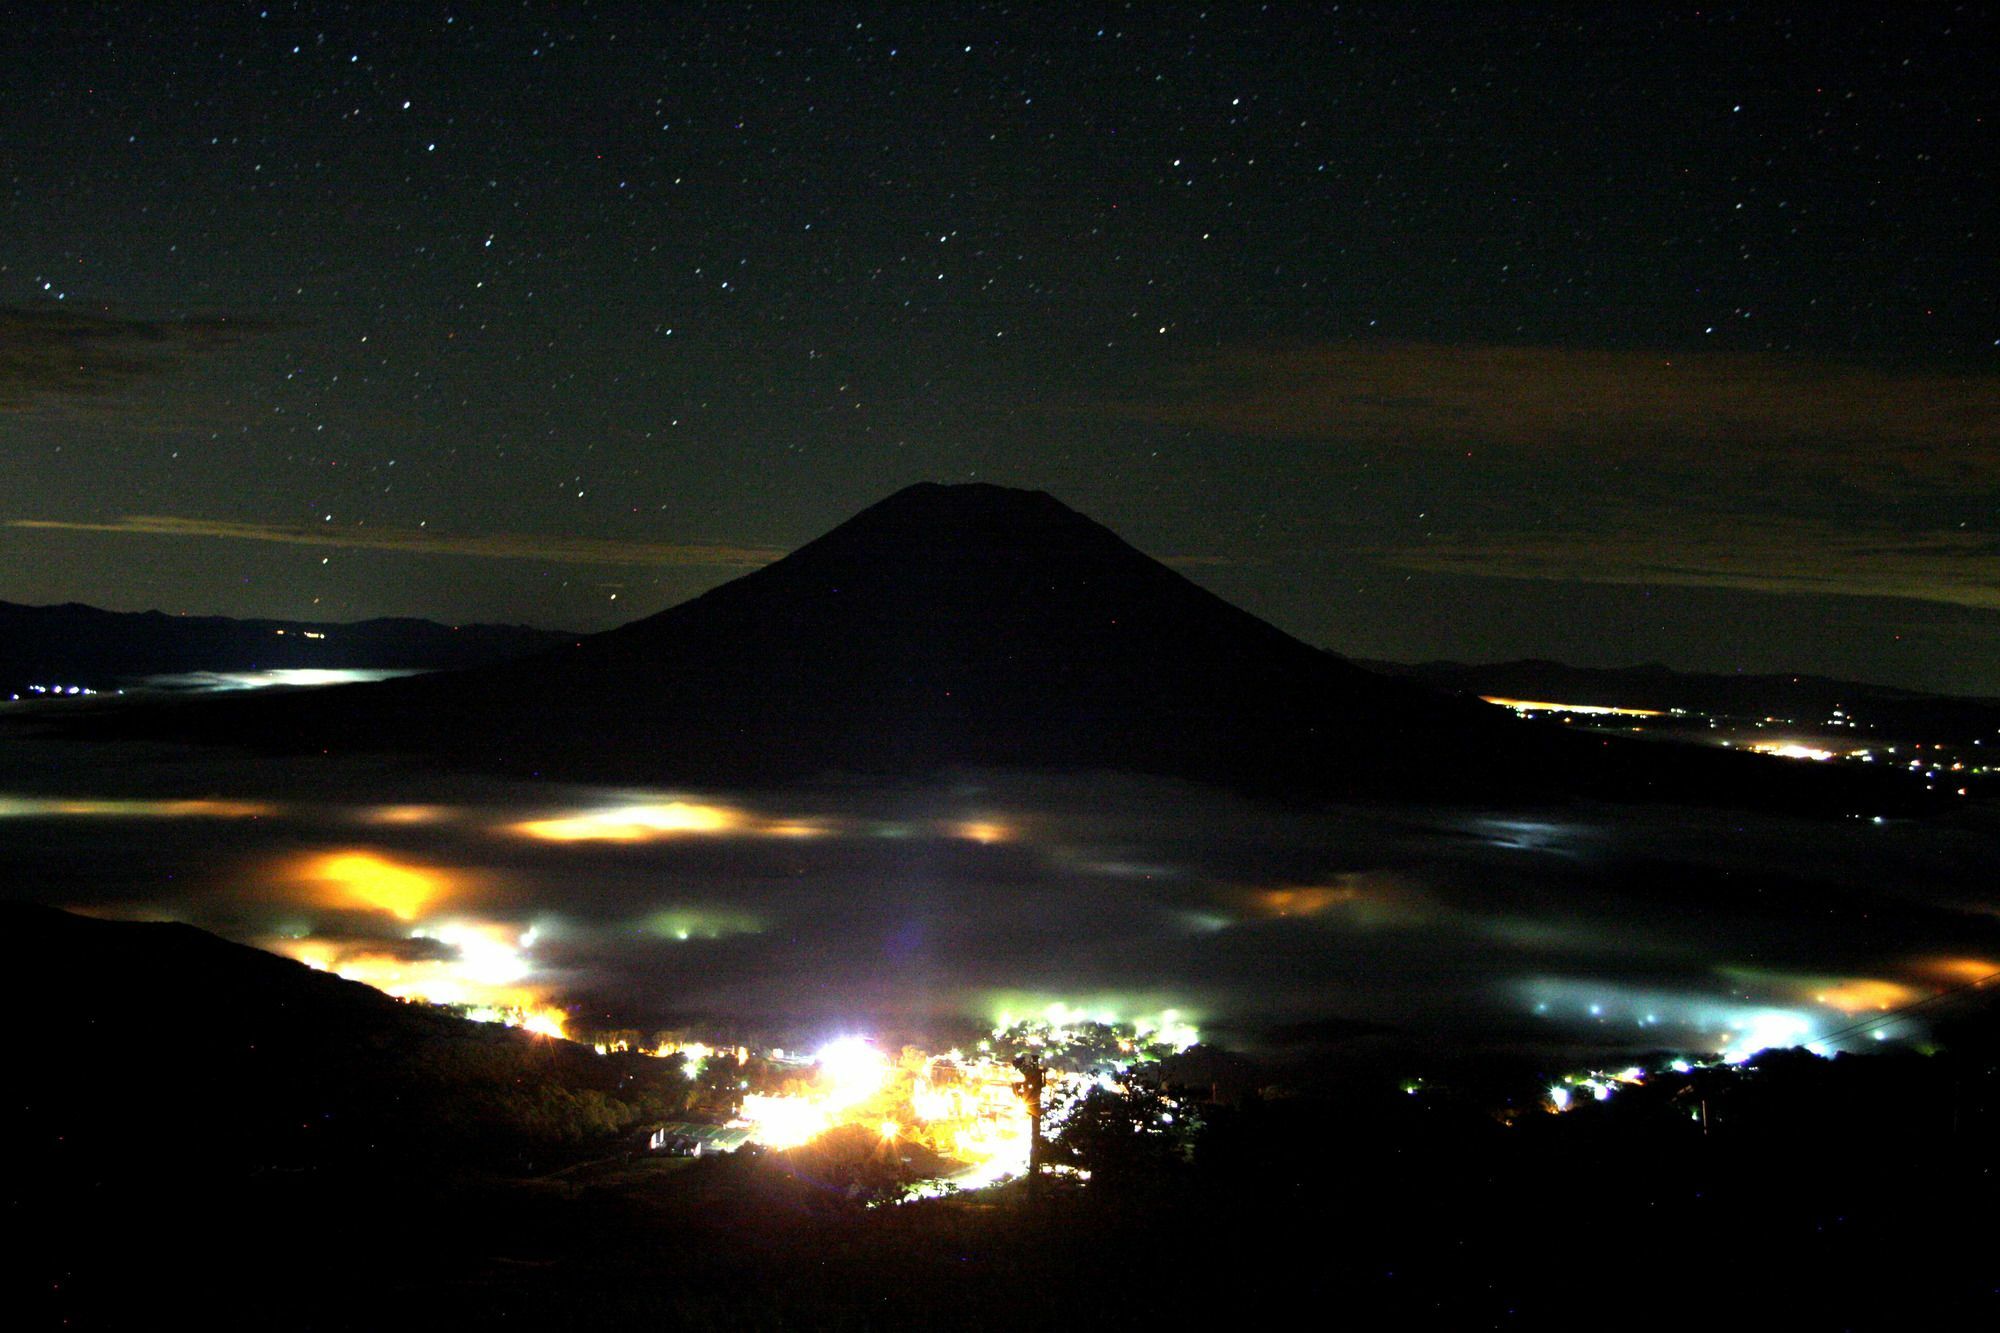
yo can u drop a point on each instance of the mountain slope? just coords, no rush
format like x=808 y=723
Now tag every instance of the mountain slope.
x=269 y=1062
x=194 y=1124
x=950 y=626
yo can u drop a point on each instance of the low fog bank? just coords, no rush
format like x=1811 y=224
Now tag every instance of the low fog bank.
x=830 y=909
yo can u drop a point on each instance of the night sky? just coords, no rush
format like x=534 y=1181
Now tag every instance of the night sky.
x=1604 y=333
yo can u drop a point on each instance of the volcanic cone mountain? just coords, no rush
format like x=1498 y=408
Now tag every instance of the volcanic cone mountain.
x=976 y=625
x=946 y=626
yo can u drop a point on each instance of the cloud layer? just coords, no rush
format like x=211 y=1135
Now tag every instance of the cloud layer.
x=417 y=541
x=1724 y=470
x=497 y=546
x=1773 y=555
x=1699 y=411
x=56 y=355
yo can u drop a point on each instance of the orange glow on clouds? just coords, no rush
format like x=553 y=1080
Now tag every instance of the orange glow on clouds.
x=791 y=828
x=1961 y=971
x=367 y=880
x=1299 y=902
x=1866 y=993
x=487 y=977
x=407 y=814
x=654 y=821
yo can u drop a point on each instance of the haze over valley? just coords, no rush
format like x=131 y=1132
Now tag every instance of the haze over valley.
x=899 y=881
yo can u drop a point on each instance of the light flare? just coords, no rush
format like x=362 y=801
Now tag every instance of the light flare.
x=780 y=1122
x=1792 y=750
x=851 y=1071
x=646 y=822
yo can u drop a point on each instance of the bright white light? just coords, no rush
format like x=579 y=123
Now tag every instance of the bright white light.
x=486 y=954
x=213 y=681
x=1792 y=750
x=784 y=1122
x=853 y=1069
x=639 y=822
x=1547 y=706
x=1766 y=1029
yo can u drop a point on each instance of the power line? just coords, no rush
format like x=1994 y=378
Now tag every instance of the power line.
x=1876 y=1020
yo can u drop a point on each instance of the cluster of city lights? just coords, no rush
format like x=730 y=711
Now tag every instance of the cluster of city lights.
x=1740 y=733
x=646 y=818
x=1732 y=1029
x=414 y=931
x=53 y=691
x=1597 y=1085
x=480 y=974
x=480 y=968
x=1795 y=750
x=966 y=1107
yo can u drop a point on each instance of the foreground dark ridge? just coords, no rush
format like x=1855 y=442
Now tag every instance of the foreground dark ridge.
x=189 y=1115
x=287 y=1150
x=974 y=626
x=241 y=1056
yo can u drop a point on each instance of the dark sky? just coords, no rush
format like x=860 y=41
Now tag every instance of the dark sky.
x=1607 y=333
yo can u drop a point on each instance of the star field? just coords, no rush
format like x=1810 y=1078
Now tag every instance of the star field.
x=1425 y=331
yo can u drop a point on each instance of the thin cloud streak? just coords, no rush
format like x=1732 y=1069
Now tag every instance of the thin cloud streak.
x=1790 y=555
x=414 y=541
x=498 y=546
x=57 y=356
x=1210 y=561
x=1680 y=411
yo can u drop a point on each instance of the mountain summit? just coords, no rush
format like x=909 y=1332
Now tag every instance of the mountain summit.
x=978 y=625
x=952 y=627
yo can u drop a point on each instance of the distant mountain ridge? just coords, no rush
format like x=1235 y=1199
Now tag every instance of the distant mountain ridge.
x=952 y=627
x=76 y=644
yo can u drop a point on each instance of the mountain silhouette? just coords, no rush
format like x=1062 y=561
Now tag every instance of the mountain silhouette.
x=945 y=627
